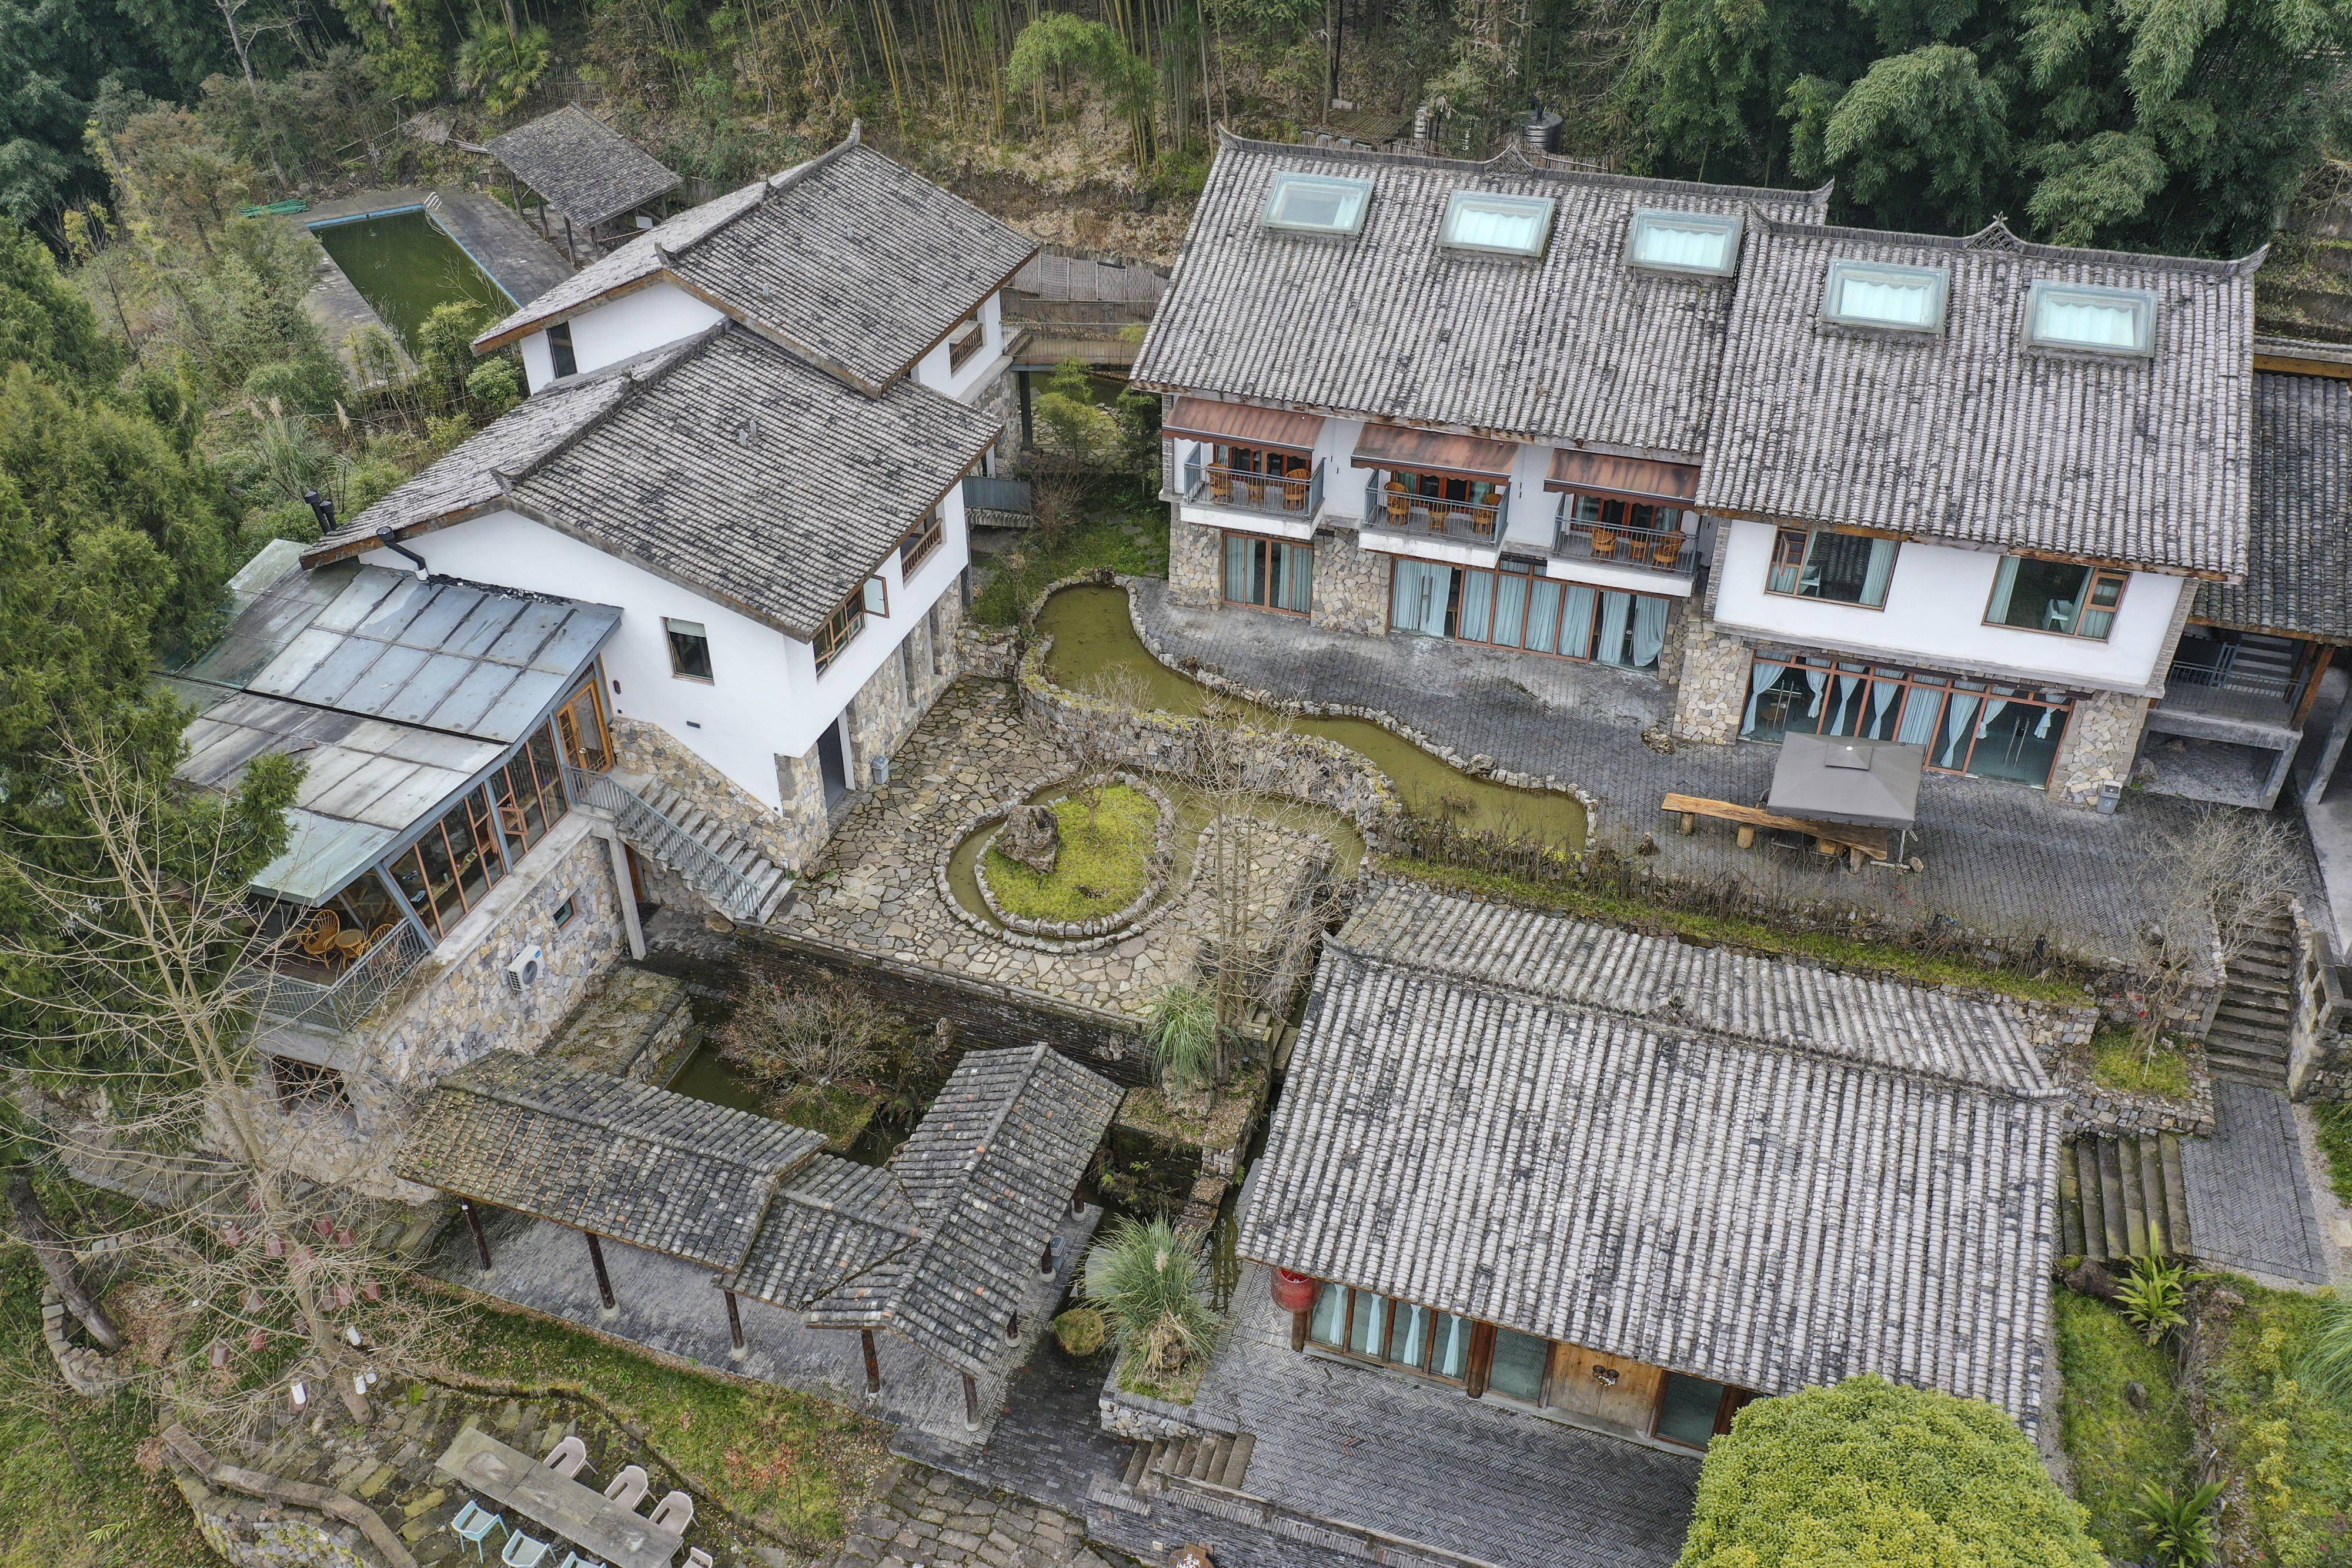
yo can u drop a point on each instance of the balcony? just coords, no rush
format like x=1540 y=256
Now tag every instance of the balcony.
x=1403 y=514
x=1669 y=552
x=1291 y=501
x=2225 y=689
x=336 y=1005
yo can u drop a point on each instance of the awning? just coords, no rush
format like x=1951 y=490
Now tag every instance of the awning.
x=1239 y=424
x=1837 y=778
x=1434 y=452
x=1600 y=471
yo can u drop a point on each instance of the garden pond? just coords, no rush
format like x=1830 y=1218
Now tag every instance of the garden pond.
x=406 y=266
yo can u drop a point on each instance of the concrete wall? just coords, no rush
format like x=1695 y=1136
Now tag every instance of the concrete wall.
x=644 y=318
x=964 y=385
x=1935 y=616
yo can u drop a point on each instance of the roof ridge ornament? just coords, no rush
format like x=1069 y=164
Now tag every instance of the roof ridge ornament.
x=1995 y=236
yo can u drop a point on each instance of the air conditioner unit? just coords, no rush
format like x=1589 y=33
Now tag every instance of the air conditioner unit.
x=527 y=966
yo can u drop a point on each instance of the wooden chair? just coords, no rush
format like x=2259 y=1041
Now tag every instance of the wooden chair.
x=1605 y=543
x=1294 y=488
x=1220 y=486
x=317 y=939
x=1666 y=552
x=1400 y=503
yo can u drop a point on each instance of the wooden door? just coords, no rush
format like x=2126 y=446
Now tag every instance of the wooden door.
x=1607 y=1390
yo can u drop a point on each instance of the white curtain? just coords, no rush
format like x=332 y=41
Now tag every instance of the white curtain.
x=1238 y=570
x=1816 y=681
x=1576 y=622
x=1543 y=618
x=1845 y=694
x=1648 y=631
x=2004 y=585
x=1991 y=711
x=1875 y=575
x=1477 y=606
x=1881 y=693
x=1421 y=590
x=1510 y=608
x=1962 y=708
x=1919 y=710
x=1760 y=676
x=1616 y=609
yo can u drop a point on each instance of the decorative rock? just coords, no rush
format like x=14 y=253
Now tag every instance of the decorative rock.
x=1031 y=835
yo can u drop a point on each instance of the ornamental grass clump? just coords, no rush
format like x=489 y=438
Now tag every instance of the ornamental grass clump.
x=2154 y=1297
x=1182 y=1035
x=1144 y=1277
x=2324 y=1368
x=2178 y=1526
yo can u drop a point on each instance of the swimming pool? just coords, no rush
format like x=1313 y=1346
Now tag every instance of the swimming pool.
x=407 y=267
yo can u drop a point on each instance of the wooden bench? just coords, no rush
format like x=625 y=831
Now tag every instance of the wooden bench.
x=1858 y=844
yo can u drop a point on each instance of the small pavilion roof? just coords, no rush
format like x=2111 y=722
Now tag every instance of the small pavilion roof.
x=986 y=1180
x=586 y=170
x=600 y=1153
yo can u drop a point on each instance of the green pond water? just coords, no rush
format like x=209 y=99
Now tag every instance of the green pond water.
x=405 y=268
x=1093 y=637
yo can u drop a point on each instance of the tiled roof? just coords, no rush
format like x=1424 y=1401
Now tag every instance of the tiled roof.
x=1920 y=1030
x=1969 y=434
x=855 y=263
x=831 y=1221
x=1761 y=1215
x=1574 y=346
x=724 y=464
x=600 y=1153
x=2299 y=547
x=989 y=1173
x=586 y=170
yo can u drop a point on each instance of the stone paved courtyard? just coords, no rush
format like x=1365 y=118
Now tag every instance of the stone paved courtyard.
x=933 y=1520
x=2000 y=859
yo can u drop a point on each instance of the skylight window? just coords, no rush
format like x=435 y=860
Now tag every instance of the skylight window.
x=1318 y=204
x=1506 y=225
x=2100 y=321
x=1702 y=243
x=1868 y=294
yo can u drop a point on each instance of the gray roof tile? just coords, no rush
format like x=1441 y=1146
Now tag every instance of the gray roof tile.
x=1575 y=346
x=586 y=170
x=2299 y=545
x=1970 y=434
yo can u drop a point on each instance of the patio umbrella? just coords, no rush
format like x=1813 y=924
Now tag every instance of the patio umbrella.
x=1838 y=778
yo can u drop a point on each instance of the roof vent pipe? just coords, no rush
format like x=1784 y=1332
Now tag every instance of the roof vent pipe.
x=324 y=509
x=391 y=542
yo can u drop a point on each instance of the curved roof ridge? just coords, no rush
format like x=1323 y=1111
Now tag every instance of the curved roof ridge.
x=1511 y=158
x=1993 y=235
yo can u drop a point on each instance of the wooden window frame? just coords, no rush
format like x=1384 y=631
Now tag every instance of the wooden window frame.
x=1591 y=632
x=917 y=545
x=563 y=358
x=1783 y=532
x=1911 y=680
x=2093 y=576
x=568 y=746
x=965 y=339
x=1733 y=1399
x=848 y=618
x=1264 y=542
x=1346 y=1347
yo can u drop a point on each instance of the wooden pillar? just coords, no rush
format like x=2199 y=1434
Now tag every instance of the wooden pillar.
x=474 y=1223
x=2320 y=661
x=1045 y=1261
x=1482 y=1358
x=1299 y=1325
x=604 y=1281
x=873 y=1360
x=971 y=1403
x=734 y=1323
x=569 y=249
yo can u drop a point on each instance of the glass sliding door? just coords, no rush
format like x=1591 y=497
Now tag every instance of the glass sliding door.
x=1271 y=574
x=1396 y=1334
x=1513 y=606
x=1964 y=727
x=1421 y=598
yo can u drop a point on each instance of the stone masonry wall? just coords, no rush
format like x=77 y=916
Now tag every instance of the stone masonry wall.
x=1001 y=399
x=1193 y=565
x=2102 y=739
x=252 y=1534
x=1711 y=699
x=1351 y=585
x=640 y=746
x=458 y=1006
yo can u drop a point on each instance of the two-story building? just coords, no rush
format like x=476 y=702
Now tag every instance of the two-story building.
x=1954 y=492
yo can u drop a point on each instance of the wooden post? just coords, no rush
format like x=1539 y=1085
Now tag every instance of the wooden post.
x=873 y=1360
x=734 y=1323
x=1046 y=1262
x=604 y=1281
x=1482 y=1358
x=971 y=1403
x=2325 y=656
x=1298 y=1328
x=474 y=1222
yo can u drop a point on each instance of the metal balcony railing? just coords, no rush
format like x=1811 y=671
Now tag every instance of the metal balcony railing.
x=982 y=493
x=1238 y=489
x=641 y=825
x=1667 y=550
x=339 y=1004
x=1434 y=516
x=2223 y=689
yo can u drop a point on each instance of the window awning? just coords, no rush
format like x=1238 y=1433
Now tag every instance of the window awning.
x=1239 y=424
x=1599 y=471
x=1434 y=452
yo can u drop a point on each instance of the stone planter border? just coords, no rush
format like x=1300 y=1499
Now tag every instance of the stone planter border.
x=88 y=1372
x=1155 y=875
x=1137 y=1417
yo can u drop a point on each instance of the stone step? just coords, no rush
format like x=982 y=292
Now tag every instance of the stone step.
x=2123 y=1197
x=2251 y=1018
x=2269 y=1045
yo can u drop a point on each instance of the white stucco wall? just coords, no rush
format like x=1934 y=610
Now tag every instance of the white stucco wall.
x=650 y=317
x=932 y=371
x=765 y=699
x=1935 y=616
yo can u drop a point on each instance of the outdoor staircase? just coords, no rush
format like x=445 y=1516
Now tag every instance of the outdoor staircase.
x=2122 y=1197
x=657 y=819
x=2248 y=1041
x=1218 y=1460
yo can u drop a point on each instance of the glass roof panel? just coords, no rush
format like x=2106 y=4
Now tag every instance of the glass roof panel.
x=1318 y=204
x=1685 y=242
x=1869 y=294
x=2104 y=320
x=1511 y=225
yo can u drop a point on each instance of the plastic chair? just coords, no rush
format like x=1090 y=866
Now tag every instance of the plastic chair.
x=696 y=1557
x=573 y=1560
x=675 y=1511
x=474 y=1523
x=568 y=1458
x=629 y=1488
x=524 y=1551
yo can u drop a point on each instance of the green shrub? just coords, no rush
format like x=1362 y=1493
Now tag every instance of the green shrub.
x=2116 y=1443
x=495 y=384
x=1145 y=1279
x=2287 y=1449
x=309 y=384
x=1871 y=1472
x=2332 y=1119
x=444 y=340
x=2154 y=1297
x=2178 y=1526
x=2325 y=1366
x=1081 y=1332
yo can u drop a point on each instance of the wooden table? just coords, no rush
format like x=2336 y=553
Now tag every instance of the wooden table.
x=581 y=1515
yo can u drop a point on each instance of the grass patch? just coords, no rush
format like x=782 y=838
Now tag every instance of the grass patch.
x=840 y=1113
x=1104 y=866
x=2120 y=1062
x=1177 y=1390
x=1134 y=543
x=2290 y=1449
x=72 y=1494
x=798 y=1466
x=2331 y=1120
x=2114 y=1447
x=1742 y=932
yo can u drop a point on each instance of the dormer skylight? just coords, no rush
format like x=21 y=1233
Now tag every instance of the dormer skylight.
x=2086 y=317
x=1703 y=244
x=1318 y=204
x=1501 y=225
x=1877 y=294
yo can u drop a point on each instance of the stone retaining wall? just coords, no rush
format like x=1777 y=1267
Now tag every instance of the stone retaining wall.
x=88 y=1372
x=252 y=1534
x=643 y=747
x=2102 y=739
